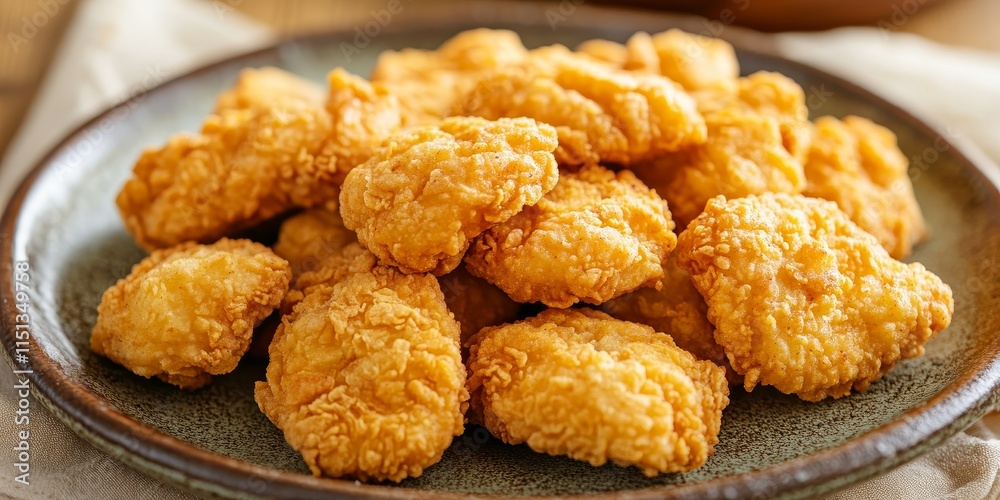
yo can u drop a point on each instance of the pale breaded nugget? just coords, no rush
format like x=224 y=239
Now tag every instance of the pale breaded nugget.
x=363 y=115
x=596 y=236
x=186 y=313
x=366 y=378
x=694 y=61
x=803 y=299
x=263 y=87
x=857 y=164
x=769 y=94
x=423 y=196
x=602 y=114
x=578 y=382
x=476 y=303
x=305 y=239
x=244 y=167
x=430 y=82
x=676 y=309
x=743 y=155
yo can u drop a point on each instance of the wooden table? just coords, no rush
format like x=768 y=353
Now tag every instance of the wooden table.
x=33 y=30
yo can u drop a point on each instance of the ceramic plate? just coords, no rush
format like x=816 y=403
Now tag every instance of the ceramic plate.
x=63 y=224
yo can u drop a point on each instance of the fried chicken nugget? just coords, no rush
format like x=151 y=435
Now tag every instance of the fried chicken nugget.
x=857 y=164
x=366 y=378
x=602 y=114
x=769 y=94
x=596 y=236
x=803 y=299
x=305 y=239
x=694 y=61
x=244 y=167
x=580 y=383
x=476 y=303
x=262 y=87
x=363 y=115
x=423 y=196
x=429 y=83
x=676 y=309
x=186 y=313
x=743 y=155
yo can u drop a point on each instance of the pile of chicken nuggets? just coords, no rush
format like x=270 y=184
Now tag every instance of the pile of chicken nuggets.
x=480 y=234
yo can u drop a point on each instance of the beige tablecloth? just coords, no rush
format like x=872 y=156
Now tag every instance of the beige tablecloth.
x=118 y=47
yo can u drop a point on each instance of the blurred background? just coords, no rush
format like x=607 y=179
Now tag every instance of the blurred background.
x=34 y=29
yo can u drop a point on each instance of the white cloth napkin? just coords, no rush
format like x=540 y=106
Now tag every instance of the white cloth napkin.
x=116 y=48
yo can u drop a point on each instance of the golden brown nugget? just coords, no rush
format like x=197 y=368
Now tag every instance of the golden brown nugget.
x=476 y=303
x=676 y=309
x=329 y=271
x=580 y=383
x=423 y=196
x=365 y=377
x=695 y=62
x=856 y=164
x=743 y=155
x=769 y=94
x=186 y=313
x=263 y=87
x=244 y=167
x=430 y=82
x=305 y=239
x=602 y=114
x=803 y=299
x=596 y=236
x=363 y=115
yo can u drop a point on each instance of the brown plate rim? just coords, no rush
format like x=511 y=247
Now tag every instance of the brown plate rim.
x=164 y=457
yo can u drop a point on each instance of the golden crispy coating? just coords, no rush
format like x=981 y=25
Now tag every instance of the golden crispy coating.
x=305 y=239
x=676 y=309
x=423 y=196
x=363 y=115
x=804 y=300
x=428 y=83
x=602 y=114
x=857 y=164
x=769 y=94
x=262 y=87
x=186 y=313
x=246 y=166
x=476 y=303
x=366 y=378
x=329 y=271
x=744 y=155
x=596 y=236
x=694 y=61
x=578 y=382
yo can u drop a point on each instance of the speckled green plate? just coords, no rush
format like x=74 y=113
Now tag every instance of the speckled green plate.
x=215 y=441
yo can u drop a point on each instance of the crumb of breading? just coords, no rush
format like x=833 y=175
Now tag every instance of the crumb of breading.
x=857 y=164
x=186 y=313
x=596 y=236
x=423 y=196
x=366 y=378
x=803 y=299
x=580 y=383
